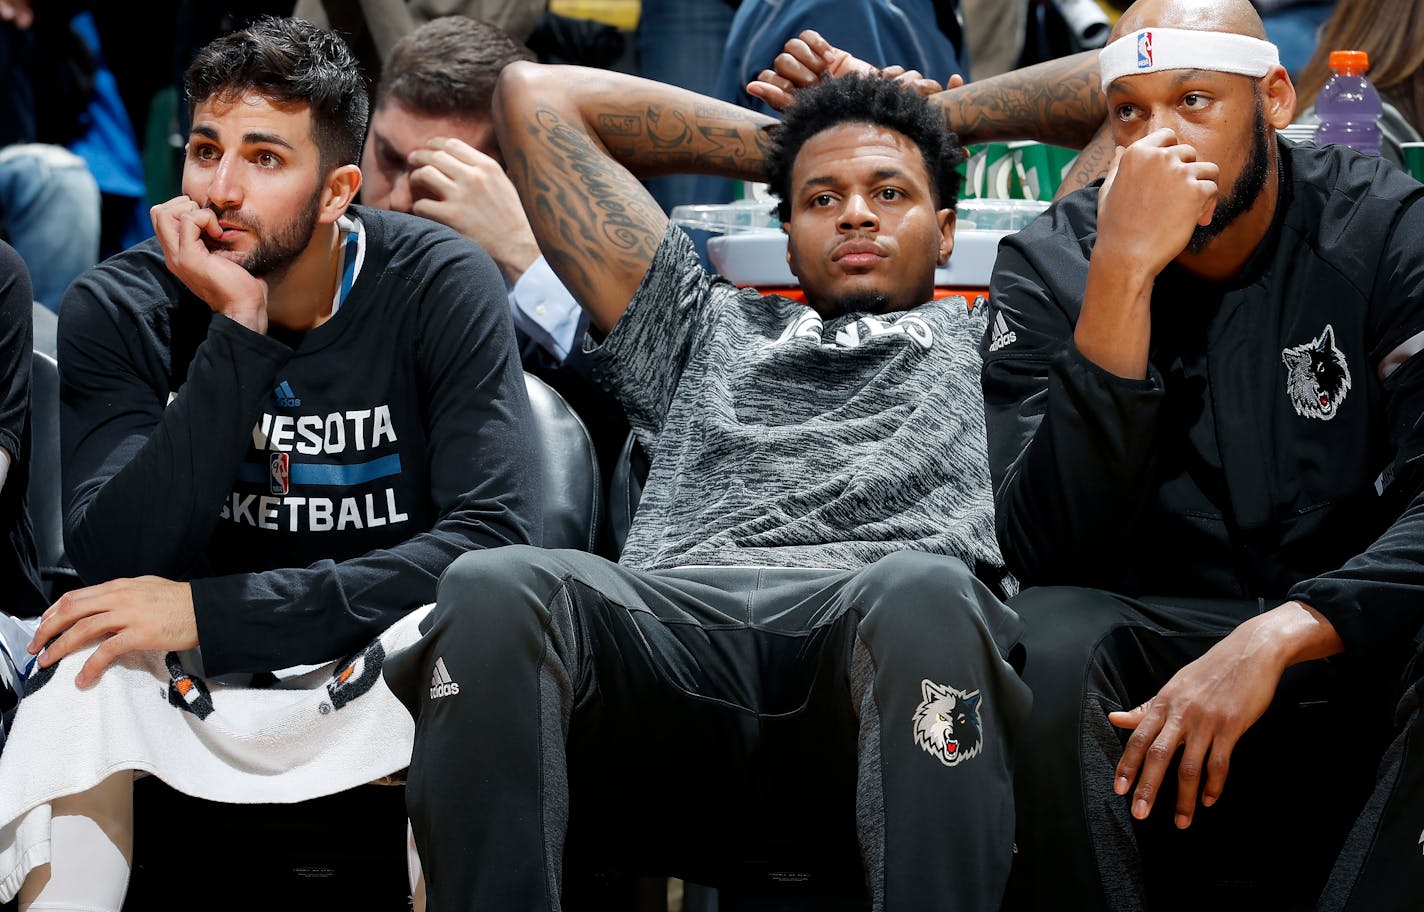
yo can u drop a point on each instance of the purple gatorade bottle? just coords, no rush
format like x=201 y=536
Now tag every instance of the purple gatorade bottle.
x=1349 y=107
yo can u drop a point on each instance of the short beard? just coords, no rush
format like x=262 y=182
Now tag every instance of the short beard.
x=277 y=249
x=1245 y=192
x=871 y=302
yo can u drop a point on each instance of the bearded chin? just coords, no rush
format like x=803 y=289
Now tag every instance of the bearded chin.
x=276 y=251
x=1244 y=192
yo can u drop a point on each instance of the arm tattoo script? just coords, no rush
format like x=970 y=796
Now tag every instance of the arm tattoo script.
x=588 y=213
x=1058 y=102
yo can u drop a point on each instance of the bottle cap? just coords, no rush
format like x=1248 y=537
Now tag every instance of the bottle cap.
x=1349 y=60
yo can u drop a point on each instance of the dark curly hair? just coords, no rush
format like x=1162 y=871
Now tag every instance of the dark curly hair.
x=864 y=99
x=289 y=61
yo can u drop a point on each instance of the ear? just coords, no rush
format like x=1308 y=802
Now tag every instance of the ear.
x=930 y=691
x=972 y=701
x=946 y=235
x=1278 y=97
x=337 y=193
x=790 y=250
x=1327 y=339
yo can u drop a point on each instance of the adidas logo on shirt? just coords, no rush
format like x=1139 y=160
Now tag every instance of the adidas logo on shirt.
x=440 y=683
x=285 y=397
x=1003 y=336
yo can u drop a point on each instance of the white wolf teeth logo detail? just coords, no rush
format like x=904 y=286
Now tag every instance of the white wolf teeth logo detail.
x=947 y=723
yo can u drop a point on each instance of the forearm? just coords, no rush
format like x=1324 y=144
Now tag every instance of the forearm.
x=145 y=484
x=647 y=127
x=1114 y=329
x=254 y=622
x=1058 y=102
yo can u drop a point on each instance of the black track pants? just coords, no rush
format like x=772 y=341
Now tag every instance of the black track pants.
x=723 y=723
x=1332 y=776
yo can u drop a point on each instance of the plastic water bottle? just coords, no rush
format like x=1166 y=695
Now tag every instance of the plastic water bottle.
x=1349 y=107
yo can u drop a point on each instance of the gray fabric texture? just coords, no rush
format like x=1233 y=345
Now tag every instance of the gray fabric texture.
x=779 y=440
x=870 y=776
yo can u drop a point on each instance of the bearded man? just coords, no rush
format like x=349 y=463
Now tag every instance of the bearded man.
x=282 y=418
x=1203 y=397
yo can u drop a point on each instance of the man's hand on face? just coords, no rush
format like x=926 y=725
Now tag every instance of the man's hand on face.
x=1155 y=195
x=225 y=286
x=808 y=58
x=460 y=186
x=126 y=614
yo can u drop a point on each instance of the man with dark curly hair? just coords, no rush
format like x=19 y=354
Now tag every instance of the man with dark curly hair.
x=801 y=671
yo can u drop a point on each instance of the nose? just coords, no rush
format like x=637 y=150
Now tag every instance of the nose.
x=1162 y=116
x=225 y=190
x=857 y=214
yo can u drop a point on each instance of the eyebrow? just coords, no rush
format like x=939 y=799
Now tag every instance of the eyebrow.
x=248 y=139
x=879 y=174
x=1179 y=78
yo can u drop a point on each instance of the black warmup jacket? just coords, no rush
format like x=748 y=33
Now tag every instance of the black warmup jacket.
x=21 y=592
x=1273 y=450
x=312 y=487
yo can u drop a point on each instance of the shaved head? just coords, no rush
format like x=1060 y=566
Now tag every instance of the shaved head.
x=1238 y=17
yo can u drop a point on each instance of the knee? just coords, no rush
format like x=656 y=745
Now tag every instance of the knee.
x=1063 y=629
x=926 y=593
x=497 y=589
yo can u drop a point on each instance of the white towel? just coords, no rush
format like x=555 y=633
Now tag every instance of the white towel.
x=329 y=729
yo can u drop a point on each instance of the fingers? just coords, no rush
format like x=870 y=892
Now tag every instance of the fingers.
x=955 y=82
x=798 y=65
x=456 y=149
x=1189 y=777
x=773 y=90
x=70 y=608
x=433 y=182
x=1155 y=757
x=813 y=40
x=1216 y=770
x=99 y=661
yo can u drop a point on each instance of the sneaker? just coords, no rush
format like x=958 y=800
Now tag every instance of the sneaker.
x=15 y=636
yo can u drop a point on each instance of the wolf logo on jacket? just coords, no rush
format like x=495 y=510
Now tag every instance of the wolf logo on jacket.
x=947 y=723
x=1317 y=377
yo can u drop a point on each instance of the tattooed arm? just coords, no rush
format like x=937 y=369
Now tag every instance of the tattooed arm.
x=1059 y=102
x=576 y=141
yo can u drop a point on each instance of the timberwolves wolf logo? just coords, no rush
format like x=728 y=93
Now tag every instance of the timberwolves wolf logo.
x=186 y=691
x=947 y=723
x=1317 y=377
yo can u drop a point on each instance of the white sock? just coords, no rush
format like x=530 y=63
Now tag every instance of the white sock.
x=91 y=852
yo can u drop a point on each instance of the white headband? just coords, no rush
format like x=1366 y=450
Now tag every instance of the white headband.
x=1150 y=50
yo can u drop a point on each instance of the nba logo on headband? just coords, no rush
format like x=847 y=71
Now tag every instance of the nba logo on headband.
x=1152 y=50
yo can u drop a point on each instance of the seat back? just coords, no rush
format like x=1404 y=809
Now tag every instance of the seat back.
x=625 y=491
x=45 y=491
x=573 y=491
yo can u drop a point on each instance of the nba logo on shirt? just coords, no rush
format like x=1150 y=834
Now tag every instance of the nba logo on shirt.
x=1144 y=50
x=281 y=473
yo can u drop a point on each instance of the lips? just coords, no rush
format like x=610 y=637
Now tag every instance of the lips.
x=855 y=255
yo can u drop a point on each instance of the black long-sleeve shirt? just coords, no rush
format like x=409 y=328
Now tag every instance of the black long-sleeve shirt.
x=20 y=591
x=1273 y=450
x=312 y=487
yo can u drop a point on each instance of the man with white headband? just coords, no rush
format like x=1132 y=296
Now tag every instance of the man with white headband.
x=1203 y=408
